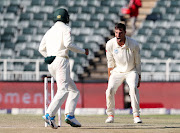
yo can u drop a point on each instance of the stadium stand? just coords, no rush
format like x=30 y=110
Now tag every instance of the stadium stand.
x=24 y=22
x=161 y=30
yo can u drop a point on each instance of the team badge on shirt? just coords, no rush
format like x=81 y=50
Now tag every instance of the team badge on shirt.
x=116 y=51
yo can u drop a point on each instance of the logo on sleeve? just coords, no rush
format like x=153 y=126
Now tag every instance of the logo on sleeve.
x=116 y=51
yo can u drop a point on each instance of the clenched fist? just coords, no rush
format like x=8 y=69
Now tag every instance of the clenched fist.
x=86 y=51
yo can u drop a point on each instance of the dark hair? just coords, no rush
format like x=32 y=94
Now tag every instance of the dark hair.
x=120 y=26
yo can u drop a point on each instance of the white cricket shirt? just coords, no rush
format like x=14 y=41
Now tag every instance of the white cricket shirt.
x=57 y=41
x=125 y=58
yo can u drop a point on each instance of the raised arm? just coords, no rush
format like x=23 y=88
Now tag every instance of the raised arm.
x=68 y=44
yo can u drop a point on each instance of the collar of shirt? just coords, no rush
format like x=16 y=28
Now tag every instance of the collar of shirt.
x=58 y=23
x=124 y=46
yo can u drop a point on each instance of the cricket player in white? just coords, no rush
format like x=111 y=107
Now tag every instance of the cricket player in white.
x=54 y=47
x=124 y=63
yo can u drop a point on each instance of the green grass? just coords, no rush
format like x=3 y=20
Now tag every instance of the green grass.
x=92 y=124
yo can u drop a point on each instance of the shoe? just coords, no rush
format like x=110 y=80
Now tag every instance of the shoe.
x=72 y=121
x=110 y=119
x=50 y=121
x=137 y=120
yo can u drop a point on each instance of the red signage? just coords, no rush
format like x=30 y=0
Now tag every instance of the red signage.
x=21 y=95
x=92 y=95
x=31 y=95
x=160 y=95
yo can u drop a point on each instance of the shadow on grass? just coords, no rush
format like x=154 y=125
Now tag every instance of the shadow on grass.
x=171 y=127
x=129 y=127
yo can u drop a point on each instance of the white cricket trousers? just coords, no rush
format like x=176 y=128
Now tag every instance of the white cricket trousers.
x=115 y=80
x=66 y=88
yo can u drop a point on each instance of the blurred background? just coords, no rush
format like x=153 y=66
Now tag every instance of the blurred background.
x=24 y=22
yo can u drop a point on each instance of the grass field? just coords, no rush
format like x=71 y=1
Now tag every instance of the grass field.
x=92 y=124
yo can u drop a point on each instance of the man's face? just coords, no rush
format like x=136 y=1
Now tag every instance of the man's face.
x=120 y=35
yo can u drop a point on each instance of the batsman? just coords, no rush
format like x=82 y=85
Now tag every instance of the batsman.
x=54 y=46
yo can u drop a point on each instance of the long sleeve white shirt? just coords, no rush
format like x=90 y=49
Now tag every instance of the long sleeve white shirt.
x=125 y=58
x=57 y=42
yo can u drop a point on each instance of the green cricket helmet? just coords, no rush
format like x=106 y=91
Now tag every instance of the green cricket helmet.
x=61 y=14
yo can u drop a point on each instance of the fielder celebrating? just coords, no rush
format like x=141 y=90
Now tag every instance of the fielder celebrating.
x=54 y=47
x=124 y=63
